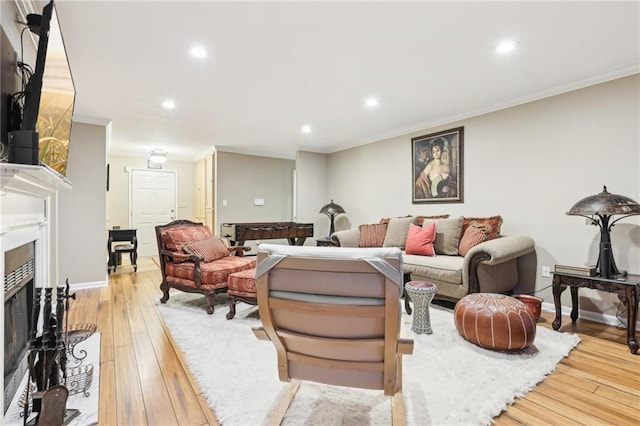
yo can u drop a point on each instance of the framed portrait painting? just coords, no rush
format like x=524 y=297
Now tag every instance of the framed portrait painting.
x=438 y=167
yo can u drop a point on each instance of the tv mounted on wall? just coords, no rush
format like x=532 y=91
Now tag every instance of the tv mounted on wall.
x=49 y=96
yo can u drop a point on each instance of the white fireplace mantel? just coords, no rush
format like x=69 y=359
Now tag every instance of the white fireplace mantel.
x=35 y=181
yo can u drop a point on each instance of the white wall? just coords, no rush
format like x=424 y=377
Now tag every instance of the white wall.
x=118 y=194
x=528 y=163
x=82 y=242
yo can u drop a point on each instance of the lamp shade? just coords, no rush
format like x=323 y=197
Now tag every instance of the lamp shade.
x=605 y=203
x=332 y=209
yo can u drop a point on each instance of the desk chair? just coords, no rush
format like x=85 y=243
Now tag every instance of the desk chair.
x=129 y=245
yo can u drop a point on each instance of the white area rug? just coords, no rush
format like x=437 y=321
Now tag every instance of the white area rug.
x=87 y=405
x=447 y=380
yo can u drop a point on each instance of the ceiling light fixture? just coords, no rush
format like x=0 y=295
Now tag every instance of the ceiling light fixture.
x=306 y=129
x=507 y=46
x=198 y=51
x=158 y=155
x=169 y=104
x=371 y=102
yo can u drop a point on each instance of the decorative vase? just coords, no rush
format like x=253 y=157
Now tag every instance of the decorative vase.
x=533 y=303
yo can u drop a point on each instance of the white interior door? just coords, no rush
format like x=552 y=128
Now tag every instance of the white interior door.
x=153 y=202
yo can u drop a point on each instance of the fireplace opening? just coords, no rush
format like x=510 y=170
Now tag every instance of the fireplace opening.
x=18 y=303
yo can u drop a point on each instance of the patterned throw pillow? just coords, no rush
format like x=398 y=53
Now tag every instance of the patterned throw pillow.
x=419 y=220
x=386 y=220
x=474 y=235
x=420 y=240
x=210 y=249
x=494 y=222
x=372 y=235
x=176 y=237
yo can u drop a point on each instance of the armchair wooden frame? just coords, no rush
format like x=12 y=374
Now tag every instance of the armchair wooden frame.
x=333 y=320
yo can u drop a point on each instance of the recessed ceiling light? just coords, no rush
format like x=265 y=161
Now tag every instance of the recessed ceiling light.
x=371 y=102
x=506 y=46
x=306 y=129
x=169 y=104
x=198 y=51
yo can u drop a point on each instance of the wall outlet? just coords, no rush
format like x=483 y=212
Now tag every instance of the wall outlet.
x=546 y=271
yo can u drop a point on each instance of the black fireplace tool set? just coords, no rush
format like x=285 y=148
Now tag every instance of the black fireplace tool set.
x=47 y=358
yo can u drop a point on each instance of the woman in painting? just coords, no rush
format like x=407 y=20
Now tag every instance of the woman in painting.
x=436 y=180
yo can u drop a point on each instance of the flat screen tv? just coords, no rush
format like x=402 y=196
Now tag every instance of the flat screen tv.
x=50 y=94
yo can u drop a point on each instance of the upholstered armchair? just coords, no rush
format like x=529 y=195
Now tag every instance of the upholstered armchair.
x=194 y=260
x=333 y=315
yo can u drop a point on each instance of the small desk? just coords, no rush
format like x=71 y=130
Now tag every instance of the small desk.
x=127 y=236
x=627 y=288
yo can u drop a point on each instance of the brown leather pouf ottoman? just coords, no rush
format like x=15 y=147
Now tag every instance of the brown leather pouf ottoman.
x=495 y=321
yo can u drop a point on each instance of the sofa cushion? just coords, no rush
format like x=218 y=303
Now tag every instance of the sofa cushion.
x=494 y=222
x=439 y=268
x=209 y=250
x=372 y=235
x=176 y=237
x=419 y=220
x=473 y=235
x=420 y=240
x=448 y=232
x=397 y=230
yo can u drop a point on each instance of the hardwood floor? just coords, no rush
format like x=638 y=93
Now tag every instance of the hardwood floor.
x=144 y=381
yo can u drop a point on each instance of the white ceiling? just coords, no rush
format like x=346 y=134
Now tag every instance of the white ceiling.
x=274 y=66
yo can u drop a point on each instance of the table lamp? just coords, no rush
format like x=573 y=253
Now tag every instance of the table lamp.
x=332 y=210
x=598 y=209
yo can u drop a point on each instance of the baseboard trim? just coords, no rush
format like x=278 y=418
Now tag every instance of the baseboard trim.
x=588 y=315
x=84 y=286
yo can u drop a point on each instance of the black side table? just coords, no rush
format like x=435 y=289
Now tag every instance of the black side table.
x=325 y=242
x=626 y=287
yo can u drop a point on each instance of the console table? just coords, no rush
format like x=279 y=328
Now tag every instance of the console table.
x=627 y=287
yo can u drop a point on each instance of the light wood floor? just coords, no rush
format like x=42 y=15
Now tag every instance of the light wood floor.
x=143 y=380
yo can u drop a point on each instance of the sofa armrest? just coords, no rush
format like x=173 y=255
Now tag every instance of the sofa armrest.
x=494 y=252
x=502 y=249
x=347 y=238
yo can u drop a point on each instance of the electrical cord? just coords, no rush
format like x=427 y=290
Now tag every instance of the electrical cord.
x=621 y=316
x=532 y=293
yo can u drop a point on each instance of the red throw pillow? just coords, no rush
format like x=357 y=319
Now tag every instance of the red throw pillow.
x=209 y=250
x=420 y=240
x=372 y=235
x=474 y=235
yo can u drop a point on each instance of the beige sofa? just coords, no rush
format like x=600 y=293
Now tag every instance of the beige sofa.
x=491 y=266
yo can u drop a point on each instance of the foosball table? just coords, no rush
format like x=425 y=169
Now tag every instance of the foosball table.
x=238 y=233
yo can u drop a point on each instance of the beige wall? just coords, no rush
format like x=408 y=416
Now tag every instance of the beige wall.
x=528 y=163
x=312 y=192
x=243 y=178
x=81 y=239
